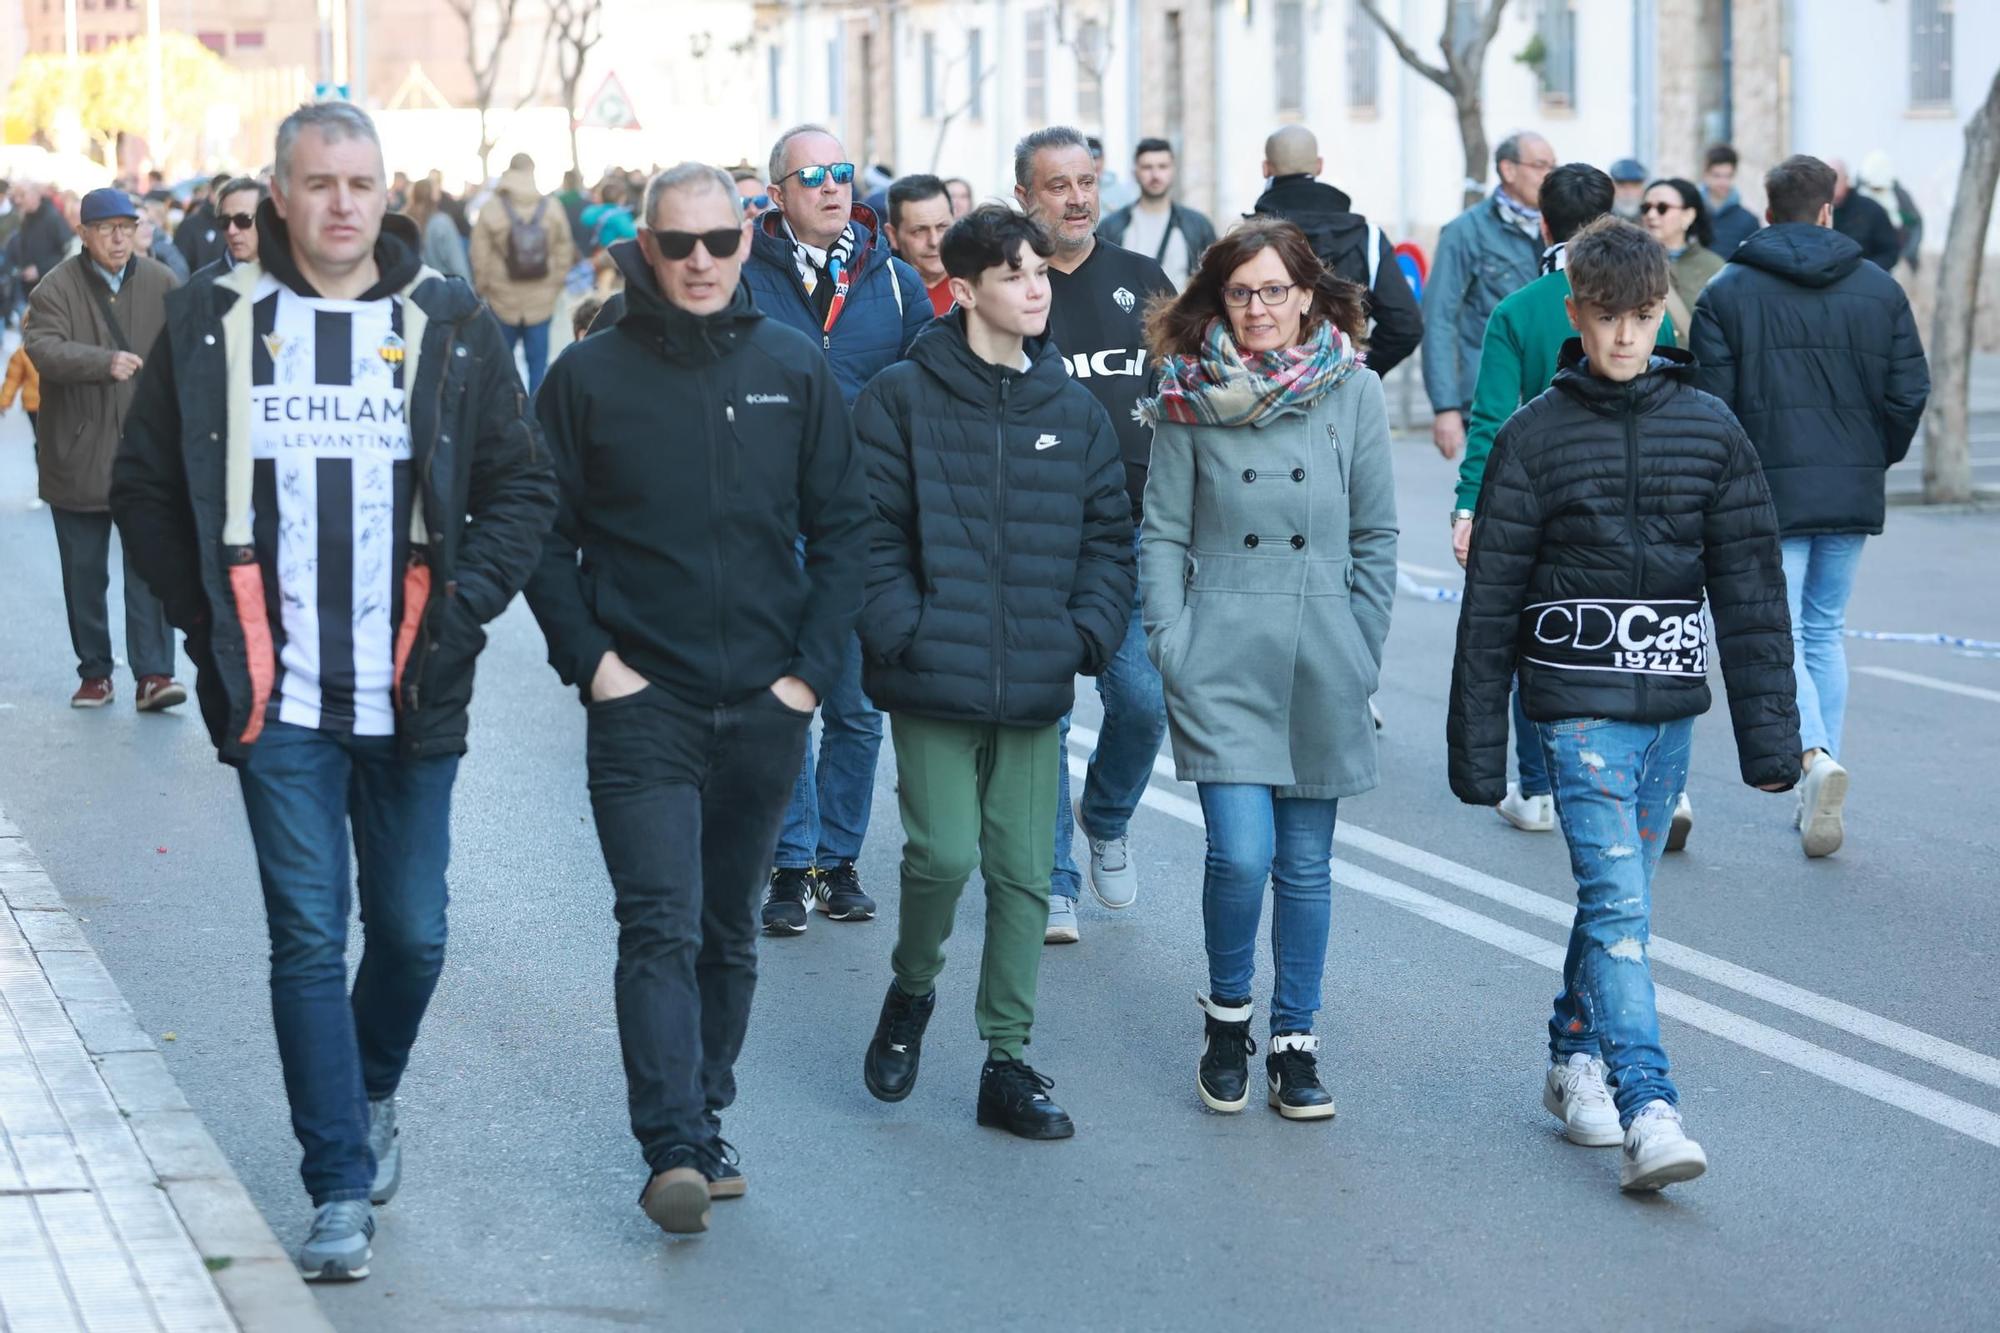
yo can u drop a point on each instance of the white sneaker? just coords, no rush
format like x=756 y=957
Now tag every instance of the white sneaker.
x=1576 y=1094
x=1062 y=921
x=1682 y=825
x=1530 y=814
x=1113 y=881
x=1657 y=1152
x=1822 y=795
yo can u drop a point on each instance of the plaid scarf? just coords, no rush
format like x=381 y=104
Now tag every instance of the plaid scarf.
x=839 y=256
x=1513 y=210
x=1223 y=387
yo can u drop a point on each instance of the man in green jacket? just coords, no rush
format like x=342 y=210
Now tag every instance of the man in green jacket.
x=1517 y=360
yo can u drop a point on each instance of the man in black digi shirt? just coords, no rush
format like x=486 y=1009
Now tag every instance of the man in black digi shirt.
x=1099 y=294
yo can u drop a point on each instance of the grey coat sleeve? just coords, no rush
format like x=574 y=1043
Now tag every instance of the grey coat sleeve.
x=1164 y=537
x=1444 y=295
x=1371 y=520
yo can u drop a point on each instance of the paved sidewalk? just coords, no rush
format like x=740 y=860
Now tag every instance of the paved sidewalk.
x=117 y=1211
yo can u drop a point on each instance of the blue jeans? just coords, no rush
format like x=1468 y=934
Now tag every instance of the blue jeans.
x=1528 y=750
x=1256 y=838
x=302 y=790
x=1135 y=722
x=1615 y=788
x=536 y=339
x=827 y=820
x=1819 y=578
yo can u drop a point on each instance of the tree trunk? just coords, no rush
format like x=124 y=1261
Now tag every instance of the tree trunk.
x=485 y=145
x=575 y=156
x=1947 y=425
x=1472 y=133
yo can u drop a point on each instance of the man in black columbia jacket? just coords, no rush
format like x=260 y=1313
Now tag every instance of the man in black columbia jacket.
x=1816 y=351
x=329 y=477
x=694 y=441
x=1345 y=242
x=1001 y=566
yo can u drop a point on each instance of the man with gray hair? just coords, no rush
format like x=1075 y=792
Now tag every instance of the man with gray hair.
x=819 y=262
x=1485 y=254
x=331 y=480
x=1098 y=294
x=695 y=441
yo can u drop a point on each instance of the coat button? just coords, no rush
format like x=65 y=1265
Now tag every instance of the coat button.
x=1251 y=541
x=458 y=351
x=1298 y=474
x=1249 y=474
x=208 y=338
x=1298 y=542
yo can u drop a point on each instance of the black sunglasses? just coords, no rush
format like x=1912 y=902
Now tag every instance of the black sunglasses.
x=239 y=221
x=1660 y=208
x=721 y=243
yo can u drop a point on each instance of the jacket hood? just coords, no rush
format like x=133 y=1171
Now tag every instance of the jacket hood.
x=1302 y=193
x=684 y=338
x=519 y=187
x=398 y=254
x=943 y=351
x=1801 y=253
x=1671 y=368
x=775 y=243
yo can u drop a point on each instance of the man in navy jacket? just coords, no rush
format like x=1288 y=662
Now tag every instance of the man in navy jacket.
x=819 y=263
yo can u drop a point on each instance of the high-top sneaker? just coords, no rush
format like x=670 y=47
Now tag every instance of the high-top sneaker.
x=837 y=893
x=785 y=904
x=1015 y=1098
x=890 y=1067
x=1226 y=1047
x=1293 y=1070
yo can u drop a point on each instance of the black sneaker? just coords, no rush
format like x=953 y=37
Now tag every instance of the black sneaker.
x=785 y=904
x=890 y=1067
x=724 y=1170
x=1015 y=1098
x=1293 y=1070
x=1226 y=1047
x=837 y=893
x=676 y=1196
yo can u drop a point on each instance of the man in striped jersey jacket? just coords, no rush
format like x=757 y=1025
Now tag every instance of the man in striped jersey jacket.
x=330 y=472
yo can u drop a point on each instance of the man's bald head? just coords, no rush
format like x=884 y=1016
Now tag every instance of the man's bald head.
x=1292 y=151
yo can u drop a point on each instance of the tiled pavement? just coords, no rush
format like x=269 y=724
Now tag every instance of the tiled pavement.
x=117 y=1211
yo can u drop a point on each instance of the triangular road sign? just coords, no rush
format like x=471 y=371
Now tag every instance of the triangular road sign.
x=609 y=108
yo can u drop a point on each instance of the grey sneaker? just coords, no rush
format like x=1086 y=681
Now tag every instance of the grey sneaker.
x=385 y=1141
x=1113 y=881
x=1062 y=921
x=336 y=1249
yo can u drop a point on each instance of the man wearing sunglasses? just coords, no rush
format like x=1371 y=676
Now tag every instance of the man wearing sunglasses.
x=821 y=264
x=694 y=441
x=237 y=212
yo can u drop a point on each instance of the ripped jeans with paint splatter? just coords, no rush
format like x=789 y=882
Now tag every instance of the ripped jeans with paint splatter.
x=1615 y=785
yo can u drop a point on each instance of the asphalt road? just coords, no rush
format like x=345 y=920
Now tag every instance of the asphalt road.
x=1832 y=1030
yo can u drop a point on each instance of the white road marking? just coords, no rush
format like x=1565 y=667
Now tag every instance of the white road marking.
x=1426 y=572
x=1884 y=1032
x=1931 y=683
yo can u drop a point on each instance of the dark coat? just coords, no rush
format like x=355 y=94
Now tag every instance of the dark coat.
x=1608 y=513
x=1339 y=237
x=692 y=451
x=1817 y=354
x=200 y=237
x=1734 y=224
x=487 y=494
x=42 y=241
x=1001 y=562
x=1869 y=224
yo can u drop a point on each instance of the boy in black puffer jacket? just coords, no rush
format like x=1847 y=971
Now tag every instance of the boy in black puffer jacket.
x=1614 y=504
x=1000 y=566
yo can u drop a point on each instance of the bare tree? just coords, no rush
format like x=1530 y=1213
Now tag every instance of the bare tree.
x=976 y=80
x=489 y=24
x=1469 y=29
x=575 y=26
x=1947 y=433
x=1087 y=35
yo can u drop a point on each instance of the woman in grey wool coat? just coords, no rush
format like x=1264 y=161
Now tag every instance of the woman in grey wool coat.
x=1267 y=567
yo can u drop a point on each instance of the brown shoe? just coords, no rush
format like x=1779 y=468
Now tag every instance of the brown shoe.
x=92 y=694
x=158 y=692
x=677 y=1200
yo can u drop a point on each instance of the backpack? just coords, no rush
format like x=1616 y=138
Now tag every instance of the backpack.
x=527 y=243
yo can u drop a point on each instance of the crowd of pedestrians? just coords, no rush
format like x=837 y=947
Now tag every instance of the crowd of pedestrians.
x=924 y=459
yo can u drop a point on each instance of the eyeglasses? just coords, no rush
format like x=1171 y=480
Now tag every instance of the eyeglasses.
x=1660 y=208
x=239 y=221
x=814 y=177
x=120 y=230
x=1236 y=298
x=720 y=243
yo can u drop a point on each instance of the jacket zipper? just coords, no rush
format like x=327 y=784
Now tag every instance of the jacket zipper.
x=428 y=621
x=1632 y=515
x=999 y=517
x=715 y=511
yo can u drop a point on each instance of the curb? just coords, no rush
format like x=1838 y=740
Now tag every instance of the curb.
x=255 y=1277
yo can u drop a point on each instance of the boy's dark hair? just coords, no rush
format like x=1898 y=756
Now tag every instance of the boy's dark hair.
x=584 y=313
x=1152 y=146
x=1718 y=155
x=989 y=236
x=913 y=190
x=1797 y=188
x=1616 y=267
x=1573 y=195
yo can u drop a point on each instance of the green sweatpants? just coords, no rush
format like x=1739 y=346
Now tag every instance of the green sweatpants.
x=976 y=795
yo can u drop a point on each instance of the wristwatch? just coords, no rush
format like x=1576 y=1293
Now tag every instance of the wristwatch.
x=1458 y=514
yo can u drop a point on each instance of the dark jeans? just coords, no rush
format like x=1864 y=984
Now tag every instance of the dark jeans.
x=536 y=340
x=827 y=819
x=302 y=789
x=688 y=798
x=83 y=543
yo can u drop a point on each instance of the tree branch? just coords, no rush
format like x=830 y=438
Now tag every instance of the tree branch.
x=1445 y=79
